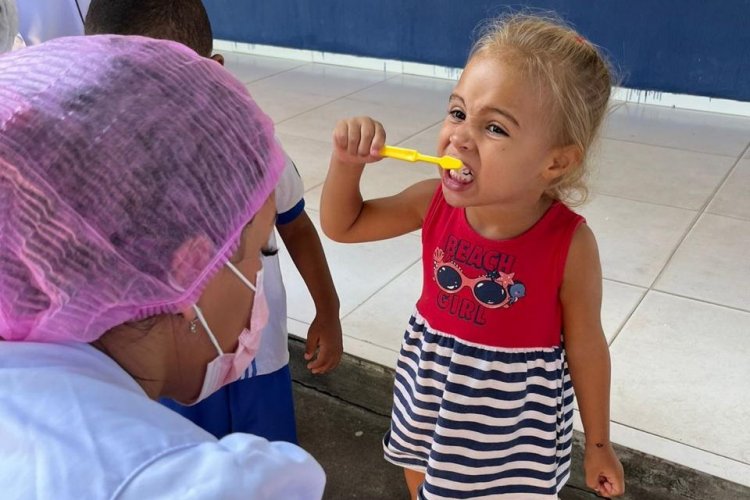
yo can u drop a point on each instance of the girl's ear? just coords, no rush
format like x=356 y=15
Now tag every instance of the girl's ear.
x=564 y=159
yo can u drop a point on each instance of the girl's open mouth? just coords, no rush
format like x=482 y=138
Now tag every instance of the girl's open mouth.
x=464 y=175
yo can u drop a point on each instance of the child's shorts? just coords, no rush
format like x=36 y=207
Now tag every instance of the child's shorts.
x=262 y=405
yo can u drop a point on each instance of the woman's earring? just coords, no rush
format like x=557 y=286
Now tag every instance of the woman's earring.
x=194 y=326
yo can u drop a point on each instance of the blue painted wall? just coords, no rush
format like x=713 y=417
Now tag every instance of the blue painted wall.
x=698 y=47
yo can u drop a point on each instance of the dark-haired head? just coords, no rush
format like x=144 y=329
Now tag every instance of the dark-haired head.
x=183 y=21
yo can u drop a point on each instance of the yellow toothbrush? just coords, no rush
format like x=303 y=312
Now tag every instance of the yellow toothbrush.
x=447 y=162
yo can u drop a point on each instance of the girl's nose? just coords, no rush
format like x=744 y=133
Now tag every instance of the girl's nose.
x=461 y=138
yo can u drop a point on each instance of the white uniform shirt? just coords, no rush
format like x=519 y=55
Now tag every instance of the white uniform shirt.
x=73 y=424
x=273 y=353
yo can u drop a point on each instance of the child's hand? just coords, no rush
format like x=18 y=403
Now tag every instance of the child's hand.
x=358 y=140
x=604 y=472
x=324 y=344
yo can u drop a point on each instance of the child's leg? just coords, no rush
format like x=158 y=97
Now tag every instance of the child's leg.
x=414 y=479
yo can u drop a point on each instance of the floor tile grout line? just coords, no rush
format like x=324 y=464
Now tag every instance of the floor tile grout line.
x=342 y=318
x=701 y=301
x=626 y=105
x=733 y=217
x=725 y=180
x=301 y=63
x=417 y=133
x=620 y=282
x=409 y=266
x=734 y=167
x=624 y=322
x=251 y=82
x=396 y=351
x=664 y=205
x=648 y=289
x=619 y=103
x=627 y=318
x=673 y=148
x=702 y=210
x=671 y=294
x=388 y=78
x=735 y=164
x=316 y=186
x=276 y=124
x=671 y=440
x=679 y=244
x=626 y=198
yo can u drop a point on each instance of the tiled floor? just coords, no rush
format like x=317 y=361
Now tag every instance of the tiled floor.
x=671 y=210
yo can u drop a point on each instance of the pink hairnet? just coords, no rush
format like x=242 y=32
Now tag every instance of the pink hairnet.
x=128 y=169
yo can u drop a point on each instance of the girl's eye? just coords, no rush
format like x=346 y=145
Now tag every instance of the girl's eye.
x=269 y=252
x=457 y=114
x=497 y=130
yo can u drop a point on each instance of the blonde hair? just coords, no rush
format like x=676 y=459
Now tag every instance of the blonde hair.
x=575 y=75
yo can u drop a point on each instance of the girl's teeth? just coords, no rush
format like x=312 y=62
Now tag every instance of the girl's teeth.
x=463 y=175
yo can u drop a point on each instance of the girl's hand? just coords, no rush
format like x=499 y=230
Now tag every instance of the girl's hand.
x=358 y=140
x=603 y=470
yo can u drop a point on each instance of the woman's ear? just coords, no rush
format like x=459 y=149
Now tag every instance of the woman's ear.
x=563 y=160
x=188 y=313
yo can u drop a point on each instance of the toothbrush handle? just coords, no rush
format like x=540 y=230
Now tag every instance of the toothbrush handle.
x=428 y=158
x=399 y=153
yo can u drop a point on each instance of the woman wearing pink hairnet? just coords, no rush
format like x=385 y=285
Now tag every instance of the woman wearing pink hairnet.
x=136 y=184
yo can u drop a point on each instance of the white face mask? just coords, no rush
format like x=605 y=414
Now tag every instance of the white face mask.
x=226 y=368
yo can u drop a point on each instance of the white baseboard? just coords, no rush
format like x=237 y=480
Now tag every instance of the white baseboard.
x=682 y=101
x=388 y=65
x=665 y=99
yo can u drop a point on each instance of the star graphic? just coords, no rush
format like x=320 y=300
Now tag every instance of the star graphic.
x=506 y=279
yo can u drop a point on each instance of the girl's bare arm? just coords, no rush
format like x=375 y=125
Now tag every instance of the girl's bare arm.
x=344 y=215
x=588 y=360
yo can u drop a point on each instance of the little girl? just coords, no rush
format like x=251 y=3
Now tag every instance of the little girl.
x=509 y=314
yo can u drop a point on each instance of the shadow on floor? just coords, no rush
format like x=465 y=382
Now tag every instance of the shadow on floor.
x=332 y=411
x=345 y=439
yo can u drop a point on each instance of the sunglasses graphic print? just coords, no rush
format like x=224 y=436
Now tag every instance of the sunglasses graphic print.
x=493 y=290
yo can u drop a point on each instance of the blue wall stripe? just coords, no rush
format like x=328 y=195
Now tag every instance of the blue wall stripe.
x=693 y=47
